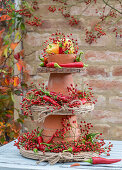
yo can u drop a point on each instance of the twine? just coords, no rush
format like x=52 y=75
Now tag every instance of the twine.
x=53 y=158
x=43 y=112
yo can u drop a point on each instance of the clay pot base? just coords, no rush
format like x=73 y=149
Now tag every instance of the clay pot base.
x=53 y=122
x=58 y=82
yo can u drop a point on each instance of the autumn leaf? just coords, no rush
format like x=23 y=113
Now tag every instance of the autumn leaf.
x=6 y=52
x=2 y=49
x=15 y=127
x=13 y=45
x=5 y=17
x=16 y=81
x=19 y=66
x=7 y=81
x=2 y=31
x=21 y=53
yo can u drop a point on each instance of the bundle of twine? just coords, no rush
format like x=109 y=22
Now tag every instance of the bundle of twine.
x=53 y=158
x=43 y=112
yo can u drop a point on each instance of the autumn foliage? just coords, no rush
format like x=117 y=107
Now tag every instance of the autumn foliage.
x=12 y=82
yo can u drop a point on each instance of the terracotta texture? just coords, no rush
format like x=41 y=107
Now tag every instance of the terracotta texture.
x=58 y=82
x=61 y=58
x=53 y=122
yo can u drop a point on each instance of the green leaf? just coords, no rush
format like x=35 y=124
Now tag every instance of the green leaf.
x=12 y=135
x=2 y=139
x=13 y=21
x=12 y=97
x=22 y=26
x=17 y=92
x=6 y=52
x=24 y=85
x=66 y=52
x=19 y=120
x=2 y=71
x=17 y=35
x=35 y=150
x=4 y=97
x=91 y=135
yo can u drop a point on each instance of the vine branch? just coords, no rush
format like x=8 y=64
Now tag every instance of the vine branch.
x=112 y=7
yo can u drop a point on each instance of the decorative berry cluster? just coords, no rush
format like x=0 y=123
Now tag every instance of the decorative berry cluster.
x=41 y=97
x=26 y=10
x=86 y=141
x=93 y=35
x=36 y=21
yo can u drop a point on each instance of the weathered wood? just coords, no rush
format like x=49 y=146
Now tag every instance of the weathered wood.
x=61 y=70
x=10 y=159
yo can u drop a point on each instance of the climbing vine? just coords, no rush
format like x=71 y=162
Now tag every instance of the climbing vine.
x=100 y=28
x=12 y=33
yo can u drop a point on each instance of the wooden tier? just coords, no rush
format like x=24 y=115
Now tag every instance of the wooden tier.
x=61 y=70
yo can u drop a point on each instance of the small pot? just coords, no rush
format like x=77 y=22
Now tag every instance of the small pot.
x=58 y=82
x=61 y=58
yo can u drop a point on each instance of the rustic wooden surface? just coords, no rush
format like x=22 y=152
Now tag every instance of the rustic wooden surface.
x=10 y=159
x=61 y=70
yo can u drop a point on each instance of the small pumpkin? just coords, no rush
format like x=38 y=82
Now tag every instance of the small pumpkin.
x=52 y=48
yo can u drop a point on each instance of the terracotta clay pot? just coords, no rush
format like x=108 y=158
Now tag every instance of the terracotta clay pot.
x=53 y=122
x=58 y=82
x=61 y=58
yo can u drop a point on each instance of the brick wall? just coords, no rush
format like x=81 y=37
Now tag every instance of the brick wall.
x=104 y=59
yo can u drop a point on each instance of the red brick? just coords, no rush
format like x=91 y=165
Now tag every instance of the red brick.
x=117 y=71
x=105 y=84
x=102 y=128
x=76 y=10
x=118 y=41
x=35 y=39
x=116 y=132
x=105 y=116
x=103 y=56
x=115 y=102
x=101 y=100
x=93 y=71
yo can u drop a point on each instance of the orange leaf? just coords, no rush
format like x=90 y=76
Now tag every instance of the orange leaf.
x=1 y=9
x=7 y=81
x=5 y=17
x=2 y=31
x=75 y=164
x=16 y=81
x=19 y=66
x=2 y=49
x=21 y=53
x=13 y=45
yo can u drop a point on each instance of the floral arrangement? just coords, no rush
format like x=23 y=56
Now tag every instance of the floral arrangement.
x=87 y=141
x=42 y=97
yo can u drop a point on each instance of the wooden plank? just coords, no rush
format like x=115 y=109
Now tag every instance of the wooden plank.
x=61 y=70
x=10 y=159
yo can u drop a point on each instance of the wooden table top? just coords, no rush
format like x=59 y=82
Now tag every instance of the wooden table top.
x=10 y=159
